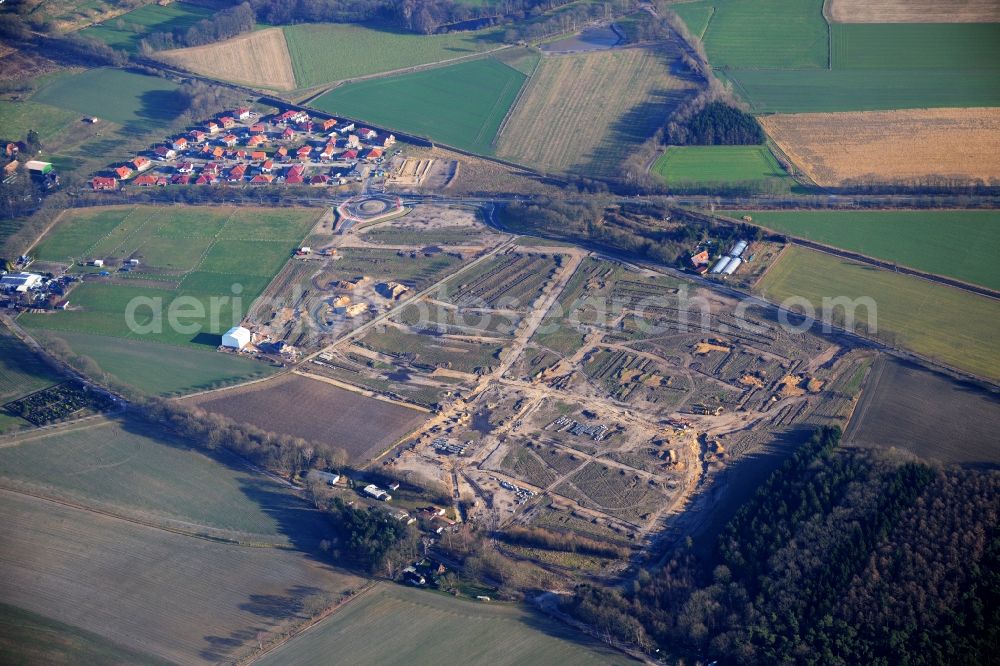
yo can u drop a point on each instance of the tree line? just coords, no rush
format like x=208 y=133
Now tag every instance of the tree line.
x=223 y=25
x=842 y=556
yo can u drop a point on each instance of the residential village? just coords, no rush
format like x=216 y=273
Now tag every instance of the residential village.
x=243 y=147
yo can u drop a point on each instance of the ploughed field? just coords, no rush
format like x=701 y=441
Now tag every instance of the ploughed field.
x=937 y=418
x=178 y=598
x=318 y=411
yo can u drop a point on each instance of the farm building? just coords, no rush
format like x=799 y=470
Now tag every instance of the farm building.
x=732 y=266
x=236 y=338
x=721 y=265
x=38 y=167
x=738 y=249
x=20 y=282
x=374 y=491
x=329 y=478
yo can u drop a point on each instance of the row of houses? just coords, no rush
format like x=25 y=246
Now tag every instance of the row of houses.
x=241 y=147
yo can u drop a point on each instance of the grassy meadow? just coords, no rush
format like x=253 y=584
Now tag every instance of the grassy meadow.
x=717 y=164
x=948 y=325
x=220 y=258
x=461 y=105
x=126 y=31
x=948 y=46
x=326 y=52
x=127 y=98
x=962 y=244
x=419 y=627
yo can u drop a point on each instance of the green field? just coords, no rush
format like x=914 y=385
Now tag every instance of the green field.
x=133 y=469
x=16 y=118
x=962 y=244
x=326 y=52
x=767 y=34
x=221 y=258
x=179 y=370
x=948 y=46
x=804 y=91
x=415 y=627
x=460 y=105
x=949 y=325
x=134 y=100
x=126 y=31
x=21 y=370
x=714 y=164
x=28 y=638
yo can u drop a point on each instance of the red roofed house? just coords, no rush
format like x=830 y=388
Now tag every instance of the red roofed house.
x=303 y=152
x=700 y=258
x=227 y=122
x=241 y=154
x=366 y=133
x=197 y=136
x=294 y=179
x=327 y=152
x=213 y=127
x=185 y=167
x=321 y=179
x=181 y=179
x=141 y=163
x=229 y=140
x=262 y=179
x=258 y=128
x=353 y=141
x=267 y=166
x=349 y=155
x=258 y=155
x=384 y=140
x=329 y=124
x=289 y=133
x=237 y=173
x=281 y=152
x=147 y=180
x=165 y=152
x=256 y=140
x=242 y=113
x=123 y=172
x=373 y=153
x=212 y=169
x=218 y=152
x=204 y=179
x=180 y=143
x=102 y=183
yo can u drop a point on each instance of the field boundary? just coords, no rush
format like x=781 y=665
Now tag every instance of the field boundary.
x=361 y=391
x=528 y=82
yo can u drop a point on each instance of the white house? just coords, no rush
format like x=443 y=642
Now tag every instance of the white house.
x=236 y=338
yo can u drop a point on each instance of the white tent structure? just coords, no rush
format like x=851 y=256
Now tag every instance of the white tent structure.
x=236 y=338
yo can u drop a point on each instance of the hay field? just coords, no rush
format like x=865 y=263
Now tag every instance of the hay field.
x=949 y=325
x=913 y=11
x=398 y=625
x=695 y=165
x=258 y=59
x=584 y=112
x=179 y=598
x=316 y=411
x=886 y=146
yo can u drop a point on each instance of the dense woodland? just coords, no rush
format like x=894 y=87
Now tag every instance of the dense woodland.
x=371 y=538
x=646 y=230
x=841 y=557
x=223 y=25
x=715 y=124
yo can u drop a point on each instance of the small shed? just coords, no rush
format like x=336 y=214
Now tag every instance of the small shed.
x=236 y=338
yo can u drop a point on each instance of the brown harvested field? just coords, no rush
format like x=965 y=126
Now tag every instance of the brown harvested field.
x=258 y=59
x=317 y=411
x=885 y=146
x=933 y=416
x=914 y=11
x=183 y=599
x=585 y=112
